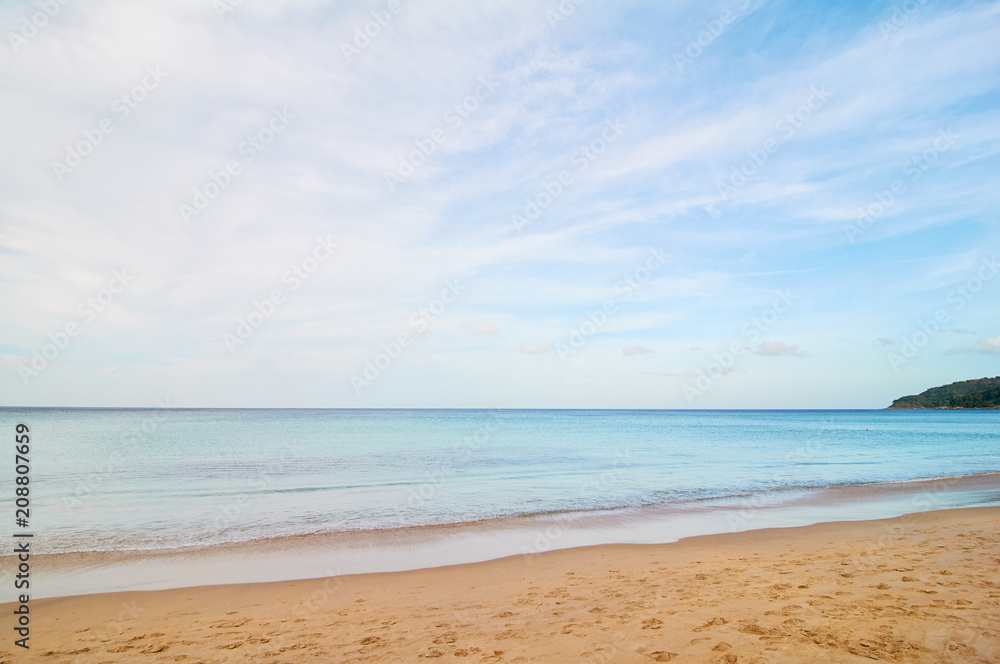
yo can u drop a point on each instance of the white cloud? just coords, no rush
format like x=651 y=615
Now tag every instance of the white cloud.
x=533 y=349
x=636 y=350
x=480 y=328
x=325 y=174
x=990 y=346
x=779 y=348
x=673 y=373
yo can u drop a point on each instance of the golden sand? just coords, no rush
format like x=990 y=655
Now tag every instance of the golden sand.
x=921 y=588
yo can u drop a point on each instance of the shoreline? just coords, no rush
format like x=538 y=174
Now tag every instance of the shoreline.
x=417 y=547
x=974 y=481
x=924 y=585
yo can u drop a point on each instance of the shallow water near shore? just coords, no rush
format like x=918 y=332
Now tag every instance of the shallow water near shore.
x=144 y=499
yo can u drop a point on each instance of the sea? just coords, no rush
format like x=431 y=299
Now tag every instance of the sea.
x=134 y=499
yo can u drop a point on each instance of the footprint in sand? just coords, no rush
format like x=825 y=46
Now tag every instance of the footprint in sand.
x=370 y=643
x=714 y=622
x=432 y=653
x=229 y=624
x=754 y=629
x=662 y=656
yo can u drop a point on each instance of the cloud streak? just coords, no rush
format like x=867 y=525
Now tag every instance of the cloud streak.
x=355 y=117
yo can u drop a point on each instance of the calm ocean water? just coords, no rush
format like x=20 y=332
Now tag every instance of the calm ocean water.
x=159 y=479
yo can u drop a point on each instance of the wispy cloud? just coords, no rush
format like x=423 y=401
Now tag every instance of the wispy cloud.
x=779 y=348
x=987 y=346
x=476 y=158
x=991 y=346
x=636 y=350
x=673 y=373
x=481 y=328
x=534 y=349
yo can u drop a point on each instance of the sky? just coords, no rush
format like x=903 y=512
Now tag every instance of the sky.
x=522 y=204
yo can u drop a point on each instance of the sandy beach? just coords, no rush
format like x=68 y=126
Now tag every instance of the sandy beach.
x=921 y=588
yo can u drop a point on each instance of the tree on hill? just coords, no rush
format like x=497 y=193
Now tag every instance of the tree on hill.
x=979 y=393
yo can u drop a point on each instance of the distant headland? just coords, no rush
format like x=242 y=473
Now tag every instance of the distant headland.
x=979 y=393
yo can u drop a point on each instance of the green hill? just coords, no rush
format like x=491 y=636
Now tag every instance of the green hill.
x=979 y=393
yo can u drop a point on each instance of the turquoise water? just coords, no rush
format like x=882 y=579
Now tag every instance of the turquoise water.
x=159 y=479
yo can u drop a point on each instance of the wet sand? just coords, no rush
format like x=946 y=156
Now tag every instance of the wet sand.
x=918 y=588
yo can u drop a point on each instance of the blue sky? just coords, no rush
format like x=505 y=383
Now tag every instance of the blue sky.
x=497 y=204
